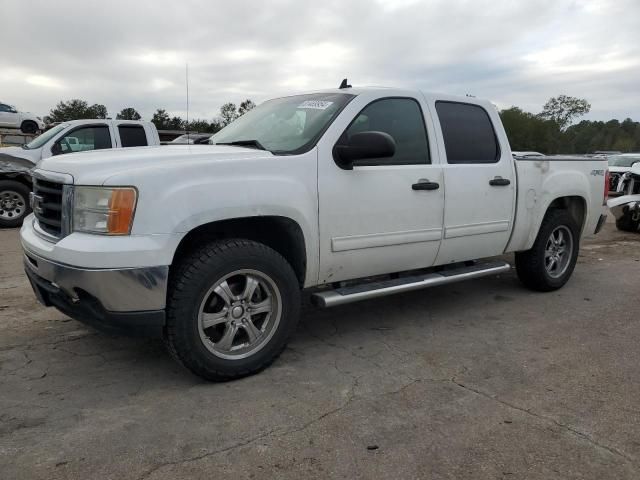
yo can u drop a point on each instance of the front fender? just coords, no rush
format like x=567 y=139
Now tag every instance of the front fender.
x=176 y=202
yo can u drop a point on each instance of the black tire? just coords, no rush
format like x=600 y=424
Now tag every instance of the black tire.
x=531 y=265
x=626 y=224
x=14 y=203
x=29 y=126
x=189 y=288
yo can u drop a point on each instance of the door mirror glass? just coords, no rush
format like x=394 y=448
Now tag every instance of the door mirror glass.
x=364 y=146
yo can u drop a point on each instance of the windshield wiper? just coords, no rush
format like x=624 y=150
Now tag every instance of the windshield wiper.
x=244 y=143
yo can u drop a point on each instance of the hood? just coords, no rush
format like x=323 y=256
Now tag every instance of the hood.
x=16 y=160
x=94 y=168
x=619 y=169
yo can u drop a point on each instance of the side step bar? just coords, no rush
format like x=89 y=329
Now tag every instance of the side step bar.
x=341 y=296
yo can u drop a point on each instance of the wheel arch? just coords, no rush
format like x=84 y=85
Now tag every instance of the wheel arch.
x=529 y=217
x=576 y=205
x=21 y=177
x=282 y=234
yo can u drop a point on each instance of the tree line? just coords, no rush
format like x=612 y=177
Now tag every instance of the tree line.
x=77 y=109
x=551 y=131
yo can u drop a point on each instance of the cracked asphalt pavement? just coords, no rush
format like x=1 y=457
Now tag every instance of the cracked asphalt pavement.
x=482 y=379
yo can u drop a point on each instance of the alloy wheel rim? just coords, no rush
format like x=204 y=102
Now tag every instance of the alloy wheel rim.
x=239 y=314
x=12 y=205
x=558 y=251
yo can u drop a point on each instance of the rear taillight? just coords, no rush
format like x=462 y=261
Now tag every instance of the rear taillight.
x=607 y=179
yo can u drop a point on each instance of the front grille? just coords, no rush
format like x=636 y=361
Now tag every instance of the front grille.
x=47 y=205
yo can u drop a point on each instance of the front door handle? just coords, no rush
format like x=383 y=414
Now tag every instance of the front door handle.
x=499 y=182
x=425 y=185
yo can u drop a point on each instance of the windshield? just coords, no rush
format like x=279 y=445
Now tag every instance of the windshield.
x=285 y=125
x=623 y=160
x=45 y=137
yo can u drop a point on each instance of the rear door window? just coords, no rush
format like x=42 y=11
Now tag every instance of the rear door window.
x=468 y=133
x=132 y=136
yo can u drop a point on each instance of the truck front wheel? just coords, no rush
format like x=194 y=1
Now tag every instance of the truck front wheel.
x=231 y=309
x=14 y=203
x=552 y=258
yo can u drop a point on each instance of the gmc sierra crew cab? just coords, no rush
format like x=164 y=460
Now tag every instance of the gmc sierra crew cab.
x=67 y=137
x=349 y=194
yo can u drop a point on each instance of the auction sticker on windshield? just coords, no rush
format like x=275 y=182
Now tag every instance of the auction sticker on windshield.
x=315 y=104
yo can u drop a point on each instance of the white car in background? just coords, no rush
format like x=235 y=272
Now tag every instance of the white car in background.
x=27 y=122
x=618 y=166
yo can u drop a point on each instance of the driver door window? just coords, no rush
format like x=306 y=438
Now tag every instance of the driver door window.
x=96 y=137
x=402 y=119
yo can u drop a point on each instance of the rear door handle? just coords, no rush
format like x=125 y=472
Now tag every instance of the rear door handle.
x=499 y=182
x=425 y=185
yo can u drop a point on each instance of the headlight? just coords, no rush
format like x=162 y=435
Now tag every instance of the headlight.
x=108 y=211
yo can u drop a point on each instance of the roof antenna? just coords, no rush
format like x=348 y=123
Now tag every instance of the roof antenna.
x=344 y=84
x=187 y=83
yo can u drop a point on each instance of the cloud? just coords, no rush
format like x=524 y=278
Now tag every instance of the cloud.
x=134 y=53
x=43 y=81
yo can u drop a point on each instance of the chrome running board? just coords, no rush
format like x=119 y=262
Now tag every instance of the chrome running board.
x=365 y=291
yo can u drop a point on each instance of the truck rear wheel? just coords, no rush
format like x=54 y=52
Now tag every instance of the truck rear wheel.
x=231 y=309
x=552 y=258
x=14 y=203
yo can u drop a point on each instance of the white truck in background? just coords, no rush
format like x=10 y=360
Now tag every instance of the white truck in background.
x=67 y=137
x=352 y=193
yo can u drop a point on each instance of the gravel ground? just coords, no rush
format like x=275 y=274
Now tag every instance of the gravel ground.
x=476 y=380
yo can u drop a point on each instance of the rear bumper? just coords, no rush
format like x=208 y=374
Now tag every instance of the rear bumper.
x=119 y=301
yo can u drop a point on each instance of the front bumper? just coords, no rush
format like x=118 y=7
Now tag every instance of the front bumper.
x=125 y=300
x=626 y=204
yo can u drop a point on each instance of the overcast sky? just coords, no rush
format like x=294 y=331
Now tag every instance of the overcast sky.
x=133 y=53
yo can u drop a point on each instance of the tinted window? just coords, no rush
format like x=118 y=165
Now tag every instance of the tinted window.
x=132 y=136
x=468 y=133
x=402 y=119
x=85 y=138
x=4 y=108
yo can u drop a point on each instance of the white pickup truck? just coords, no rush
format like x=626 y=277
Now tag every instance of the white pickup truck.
x=350 y=194
x=67 y=137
